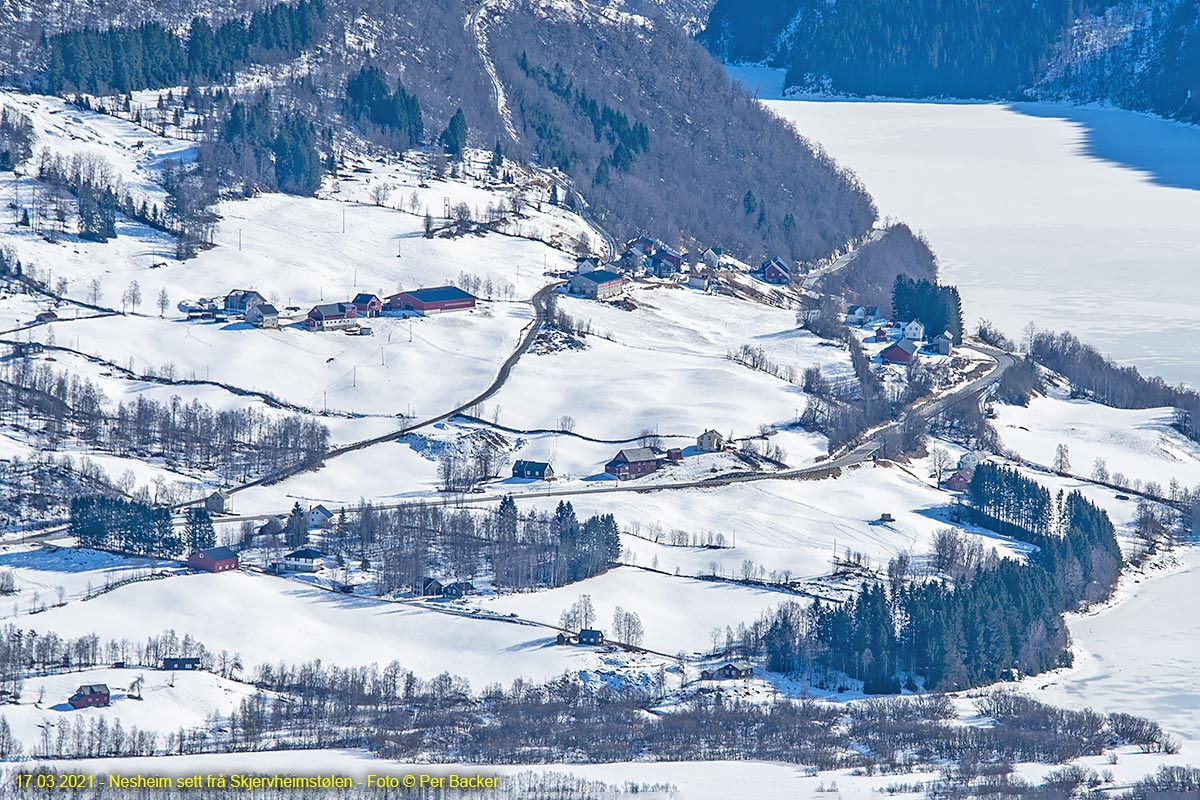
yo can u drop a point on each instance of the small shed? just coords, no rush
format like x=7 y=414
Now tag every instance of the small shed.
x=217 y=502
x=882 y=335
x=943 y=343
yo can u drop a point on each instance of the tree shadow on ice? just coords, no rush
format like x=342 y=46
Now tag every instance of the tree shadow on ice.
x=1167 y=152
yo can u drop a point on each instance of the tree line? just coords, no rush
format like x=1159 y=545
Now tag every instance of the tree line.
x=937 y=307
x=235 y=443
x=994 y=622
x=150 y=55
x=1096 y=377
x=518 y=550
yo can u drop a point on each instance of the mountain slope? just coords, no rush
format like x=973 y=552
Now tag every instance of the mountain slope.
x=1143 y=55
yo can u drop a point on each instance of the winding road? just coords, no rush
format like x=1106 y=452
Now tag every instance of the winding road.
x=858 y=453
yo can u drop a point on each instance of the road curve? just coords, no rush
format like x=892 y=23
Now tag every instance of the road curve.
x=856 y=454
x=530 y=333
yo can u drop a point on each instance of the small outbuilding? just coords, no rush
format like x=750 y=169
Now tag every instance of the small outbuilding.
x=431 y=587
x=217 y=502
x=943 y=343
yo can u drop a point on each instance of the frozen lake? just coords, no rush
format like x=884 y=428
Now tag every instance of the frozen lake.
x=1074 y=218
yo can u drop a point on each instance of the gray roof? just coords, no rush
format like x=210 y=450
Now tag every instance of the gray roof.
x=266 y=308
x=93 y=688
x=331 y=309
x=638 y=454
x=219 y=553
x=907 y=345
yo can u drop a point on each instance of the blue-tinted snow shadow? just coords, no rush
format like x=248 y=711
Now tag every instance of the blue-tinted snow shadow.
x=1166 y=151
x=945 y=514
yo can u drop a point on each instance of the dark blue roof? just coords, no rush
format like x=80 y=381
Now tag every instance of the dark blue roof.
x=439 y=294
x=601 y=276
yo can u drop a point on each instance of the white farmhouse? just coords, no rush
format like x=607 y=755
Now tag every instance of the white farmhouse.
x=914 y=331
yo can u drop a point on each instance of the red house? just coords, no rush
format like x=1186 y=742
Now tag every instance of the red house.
x=902 y=352
x=432 y=301
x=46 y=316
x=331 y=316
x=367 y=305
x=214 y=559
x=632 y=463
x=776 y=271
x=881 y=335
x=90 y=696
x=959 y=481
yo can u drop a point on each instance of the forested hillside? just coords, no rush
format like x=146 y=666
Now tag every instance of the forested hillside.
x=660 y=141
x=674 y=162
x=1143 y=55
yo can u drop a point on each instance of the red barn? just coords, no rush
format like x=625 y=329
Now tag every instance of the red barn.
x=902 y=352
x=330 y=316
x=367 y=305
x=214 y=559
x=432 y=301
x=90 y=696
x=632 y=463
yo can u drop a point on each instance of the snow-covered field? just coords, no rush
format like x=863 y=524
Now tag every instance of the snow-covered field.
x=170 y=701
x=678 y=613
x=1138 y=653
x=1141 y=444
x=269 y=619
x=1077 y=218
x=782 y=526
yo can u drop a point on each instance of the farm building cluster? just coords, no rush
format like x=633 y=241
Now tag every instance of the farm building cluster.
x=351 y=315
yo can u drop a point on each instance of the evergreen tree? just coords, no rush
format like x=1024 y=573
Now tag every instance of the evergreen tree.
x=199 y=533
